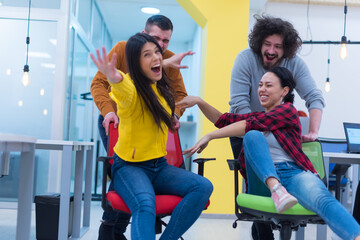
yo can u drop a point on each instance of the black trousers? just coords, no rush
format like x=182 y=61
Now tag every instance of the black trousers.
x=259 y=231
x=356 y=210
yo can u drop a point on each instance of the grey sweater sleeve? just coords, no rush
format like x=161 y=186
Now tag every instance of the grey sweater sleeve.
x=240 y=85
x=305 y=84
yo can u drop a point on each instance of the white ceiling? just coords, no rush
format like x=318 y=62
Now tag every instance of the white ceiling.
x=124 y=18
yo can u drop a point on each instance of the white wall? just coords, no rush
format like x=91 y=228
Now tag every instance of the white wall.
x=327 y=23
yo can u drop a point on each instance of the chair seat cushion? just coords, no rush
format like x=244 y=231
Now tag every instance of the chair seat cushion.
x=265 y=204
x=165 y=204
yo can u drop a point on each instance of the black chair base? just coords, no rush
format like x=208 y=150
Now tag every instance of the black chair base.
x=282 y=222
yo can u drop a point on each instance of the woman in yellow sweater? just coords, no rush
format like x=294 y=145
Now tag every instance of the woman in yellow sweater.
x=146 y=109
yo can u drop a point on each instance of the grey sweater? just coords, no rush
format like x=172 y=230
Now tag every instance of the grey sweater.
x=246 y=75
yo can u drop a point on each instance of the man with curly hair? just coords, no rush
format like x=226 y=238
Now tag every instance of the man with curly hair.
x=273 y=42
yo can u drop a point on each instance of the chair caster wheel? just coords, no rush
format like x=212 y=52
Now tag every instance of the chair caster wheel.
x=234 y=224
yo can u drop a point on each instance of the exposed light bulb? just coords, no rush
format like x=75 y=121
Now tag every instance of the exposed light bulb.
x=45 y=112
x=327 y=85
x=20 y=103
x=343 y=48
x=25 y=78
x=42 y=92
x=343 y=51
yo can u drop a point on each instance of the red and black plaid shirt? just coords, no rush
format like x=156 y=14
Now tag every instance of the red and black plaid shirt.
x=283 y=121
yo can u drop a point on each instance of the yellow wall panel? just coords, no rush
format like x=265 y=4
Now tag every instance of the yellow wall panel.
x=225 y=31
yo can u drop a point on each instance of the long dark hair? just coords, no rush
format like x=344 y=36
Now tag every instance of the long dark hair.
x=286 y=80
x=143 y=83
x=266 y=26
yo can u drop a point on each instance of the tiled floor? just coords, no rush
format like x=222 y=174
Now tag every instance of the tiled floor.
x=207 y=227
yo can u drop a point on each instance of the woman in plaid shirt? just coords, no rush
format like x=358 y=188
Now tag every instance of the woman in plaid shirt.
x=272 y=149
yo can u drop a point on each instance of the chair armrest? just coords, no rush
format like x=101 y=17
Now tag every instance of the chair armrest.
x=104 y=159
x=234 y=165
x=106 y=173
x=201 y=162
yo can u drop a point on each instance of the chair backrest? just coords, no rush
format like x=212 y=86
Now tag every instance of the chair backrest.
x=173 y=147
x=314 y=152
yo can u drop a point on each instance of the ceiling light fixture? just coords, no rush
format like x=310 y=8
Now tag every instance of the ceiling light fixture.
x=344 y=42
x=327 y=83
x=150 y=10
x=343 y=48
x=25 y=78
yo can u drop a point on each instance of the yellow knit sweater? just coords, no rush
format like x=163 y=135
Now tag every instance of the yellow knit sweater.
x=140 y=139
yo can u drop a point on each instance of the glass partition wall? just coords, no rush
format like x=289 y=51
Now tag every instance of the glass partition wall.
x=57 y=104
x=62 y=33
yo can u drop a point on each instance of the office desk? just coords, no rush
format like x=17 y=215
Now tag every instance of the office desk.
x=67 y=147
x=351 y=158
x=25 y=145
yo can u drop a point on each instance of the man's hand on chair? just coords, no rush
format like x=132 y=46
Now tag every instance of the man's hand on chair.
x=110 y=117
x=310 y=137
x=176 y=123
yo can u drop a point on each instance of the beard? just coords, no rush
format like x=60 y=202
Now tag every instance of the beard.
x=268 y=65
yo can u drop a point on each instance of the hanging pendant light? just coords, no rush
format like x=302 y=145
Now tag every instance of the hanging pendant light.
x=343 y=47
x=25 y=80
x=327 y=83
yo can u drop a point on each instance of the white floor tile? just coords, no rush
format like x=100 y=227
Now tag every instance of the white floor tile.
x=205 y=228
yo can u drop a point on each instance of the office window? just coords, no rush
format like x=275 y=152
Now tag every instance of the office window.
x=97 y=33
x=53 y=4
x=81 y=110
x=27 y=110
x=108 y=40
x=84 y=15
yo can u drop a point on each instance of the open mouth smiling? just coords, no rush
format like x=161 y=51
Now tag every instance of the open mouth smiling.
x=270 y=57
x=156 y=68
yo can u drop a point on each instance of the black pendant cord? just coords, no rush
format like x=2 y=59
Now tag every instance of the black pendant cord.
x=345 y=12
x=26 y=67
x=328 y=67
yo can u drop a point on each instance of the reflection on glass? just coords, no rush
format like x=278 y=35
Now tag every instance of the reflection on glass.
x=81 y=118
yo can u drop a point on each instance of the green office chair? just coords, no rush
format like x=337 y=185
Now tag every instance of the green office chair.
x=258 y=208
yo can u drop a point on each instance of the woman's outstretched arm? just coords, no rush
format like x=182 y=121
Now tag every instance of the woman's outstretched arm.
x=232 y=130
x=209 y=111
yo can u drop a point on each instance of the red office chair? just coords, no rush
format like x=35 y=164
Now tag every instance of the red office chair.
x=165 y=204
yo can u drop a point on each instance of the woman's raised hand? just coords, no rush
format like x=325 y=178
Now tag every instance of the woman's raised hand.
x=106 y=67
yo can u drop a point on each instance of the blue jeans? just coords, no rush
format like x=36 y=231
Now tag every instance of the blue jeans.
x=117 y=219
x=137 y=183
x=309 y=190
